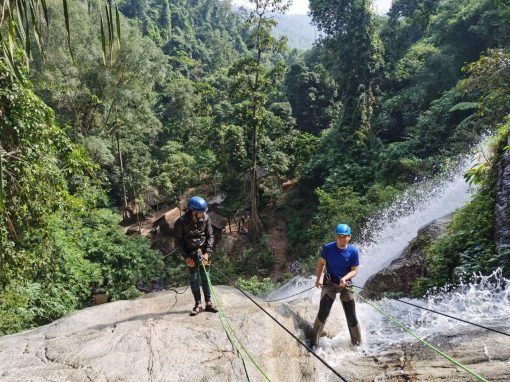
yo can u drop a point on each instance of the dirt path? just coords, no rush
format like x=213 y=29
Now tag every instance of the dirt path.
x=278 y=245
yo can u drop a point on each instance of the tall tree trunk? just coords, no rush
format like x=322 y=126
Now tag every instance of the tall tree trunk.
x=122 y=179
x=256 y=224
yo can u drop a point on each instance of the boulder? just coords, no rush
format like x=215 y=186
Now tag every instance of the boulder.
x=502 y=208
x=405 y=269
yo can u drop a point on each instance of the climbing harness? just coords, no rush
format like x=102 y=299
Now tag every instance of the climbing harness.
x=282 y=326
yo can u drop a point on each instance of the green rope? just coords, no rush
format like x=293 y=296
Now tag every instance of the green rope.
x=232 y=332
x=231 y=335
x=394 y=320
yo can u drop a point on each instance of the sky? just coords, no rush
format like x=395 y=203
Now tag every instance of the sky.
x=300 y=7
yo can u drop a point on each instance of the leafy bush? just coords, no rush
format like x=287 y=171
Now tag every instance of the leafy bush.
x=124 y=261
x=258 y=287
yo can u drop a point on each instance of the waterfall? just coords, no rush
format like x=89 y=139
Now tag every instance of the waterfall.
x=395 y=227
x=386 y=235
x=485 y=301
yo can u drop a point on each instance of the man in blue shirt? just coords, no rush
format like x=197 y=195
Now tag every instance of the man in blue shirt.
x=340 y=260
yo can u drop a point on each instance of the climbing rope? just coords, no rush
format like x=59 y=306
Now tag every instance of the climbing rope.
x=416 y=306
x=292 y=295
x=177 y=292
x=231 y=333
x=281 y=325
x=446 y=315
x=394 y=320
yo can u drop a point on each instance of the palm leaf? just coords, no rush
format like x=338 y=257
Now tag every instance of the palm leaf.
x=109 y=24
x=464 y=106
x=117 y=19
x=20 y=17
x=68 y=30
x=103 y=37
x=36 y=26
x=9 y=59
x=2 y=195
x=45 y=12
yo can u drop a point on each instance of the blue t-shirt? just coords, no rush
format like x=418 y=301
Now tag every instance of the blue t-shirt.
x=339 y=261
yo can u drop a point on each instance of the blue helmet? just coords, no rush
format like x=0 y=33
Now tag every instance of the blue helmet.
x=197 y=204
x=343 y=229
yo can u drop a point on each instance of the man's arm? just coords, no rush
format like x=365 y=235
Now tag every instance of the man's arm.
x=179 y=238
x=209 y=239
x=320 y=267
x=209 y=234
x=348 y=276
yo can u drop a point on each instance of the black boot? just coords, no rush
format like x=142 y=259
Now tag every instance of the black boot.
x=355 y=333
x=196 y=309
x=318 y=327
x=209 y=307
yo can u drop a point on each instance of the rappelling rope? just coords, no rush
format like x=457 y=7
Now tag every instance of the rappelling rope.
x=446 y=315
x=177 y=292
x=416 y=306
x=231 y=333
x=394 y=320
x=283 y=327
x=292 y=295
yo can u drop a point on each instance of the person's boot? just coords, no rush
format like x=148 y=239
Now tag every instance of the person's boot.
x=196 y=309
x=209 y=307
x=318 y=326
x=355 y=333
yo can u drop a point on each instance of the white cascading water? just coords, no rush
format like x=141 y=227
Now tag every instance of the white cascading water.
x=486 y=301
x=391 y=231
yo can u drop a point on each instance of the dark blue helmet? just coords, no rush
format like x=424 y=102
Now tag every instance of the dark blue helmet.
x=343 y=229
x=197 y=204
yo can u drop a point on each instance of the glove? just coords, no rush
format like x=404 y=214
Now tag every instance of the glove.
x=189 y=262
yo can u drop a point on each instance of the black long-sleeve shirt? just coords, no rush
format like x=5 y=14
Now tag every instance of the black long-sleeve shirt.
x=191 y=235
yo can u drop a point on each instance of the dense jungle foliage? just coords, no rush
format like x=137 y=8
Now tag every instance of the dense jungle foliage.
x=200 y=98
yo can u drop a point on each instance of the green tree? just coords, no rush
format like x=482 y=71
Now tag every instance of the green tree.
x=21 y=20
x=489 y=79
x=177 y=173
x=254 y=79
x=113 y=104
x=407 y=23
x=313 y=96
x=353 y=54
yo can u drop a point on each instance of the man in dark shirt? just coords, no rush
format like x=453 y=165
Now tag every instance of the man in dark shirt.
x=341 y=261
x=194 y=238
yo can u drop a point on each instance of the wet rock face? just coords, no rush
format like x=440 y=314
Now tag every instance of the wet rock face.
x=404 y=270
x=502 y=209
x=153 y=338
